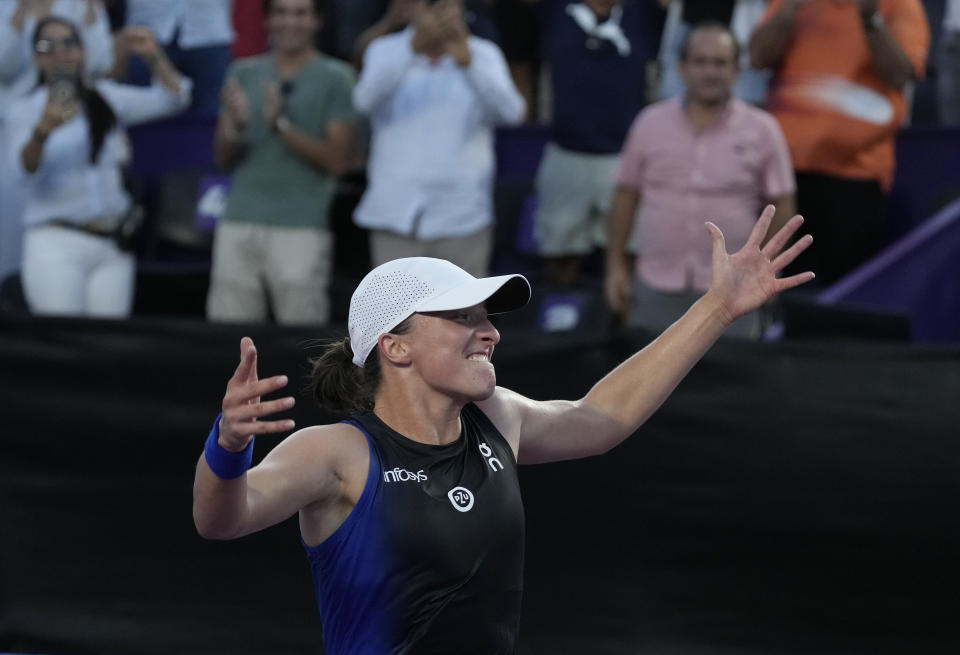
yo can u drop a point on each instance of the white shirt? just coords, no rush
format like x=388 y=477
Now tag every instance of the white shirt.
x=66 y=185
x=202 y=23
x=17 y=75
x=951 y=17
x=13 y=60
x=431 y=167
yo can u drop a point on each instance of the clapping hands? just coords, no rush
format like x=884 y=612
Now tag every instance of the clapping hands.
x=441 y=29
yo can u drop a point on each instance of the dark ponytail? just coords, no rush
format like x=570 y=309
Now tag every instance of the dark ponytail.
x=100 y=116
x=340 y=386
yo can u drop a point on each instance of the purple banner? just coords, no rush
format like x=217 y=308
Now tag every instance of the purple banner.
x=919 y=275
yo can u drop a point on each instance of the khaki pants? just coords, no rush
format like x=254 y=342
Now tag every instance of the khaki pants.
x=258 y=267
x=574 y=191
x=471 y=252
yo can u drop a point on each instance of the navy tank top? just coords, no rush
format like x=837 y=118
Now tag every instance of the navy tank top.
x=430 y=560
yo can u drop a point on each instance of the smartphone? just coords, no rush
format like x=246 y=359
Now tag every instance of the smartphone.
x=63 y=86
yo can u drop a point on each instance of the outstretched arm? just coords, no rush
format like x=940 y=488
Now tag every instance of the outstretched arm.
x=296 y=473
x=626 y=397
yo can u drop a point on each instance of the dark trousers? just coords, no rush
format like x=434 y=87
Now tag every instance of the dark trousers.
x=847 y=219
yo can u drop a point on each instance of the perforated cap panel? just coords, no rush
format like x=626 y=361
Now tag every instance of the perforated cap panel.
x=386 y=301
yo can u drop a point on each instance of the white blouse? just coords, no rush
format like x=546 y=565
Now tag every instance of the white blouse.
x=66 y=185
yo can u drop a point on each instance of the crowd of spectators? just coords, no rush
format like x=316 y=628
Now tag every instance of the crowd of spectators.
x=411 y=92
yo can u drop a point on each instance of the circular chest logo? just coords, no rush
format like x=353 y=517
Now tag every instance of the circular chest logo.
x=461 y=498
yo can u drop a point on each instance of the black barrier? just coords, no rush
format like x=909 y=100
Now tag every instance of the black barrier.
x=793 y=498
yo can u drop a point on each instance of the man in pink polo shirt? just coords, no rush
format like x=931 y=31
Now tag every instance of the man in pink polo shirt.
x=706 y=156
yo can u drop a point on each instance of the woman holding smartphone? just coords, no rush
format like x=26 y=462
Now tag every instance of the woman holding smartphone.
x=68 y=143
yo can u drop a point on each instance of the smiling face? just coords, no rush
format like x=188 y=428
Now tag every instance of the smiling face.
x=452 y=352
x=57 y=50
x=709 y=65
x=292 y=25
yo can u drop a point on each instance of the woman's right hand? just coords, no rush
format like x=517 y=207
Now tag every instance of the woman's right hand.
x=242 y=407
x=59 y=109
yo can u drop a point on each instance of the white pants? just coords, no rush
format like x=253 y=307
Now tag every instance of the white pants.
x=69 y=273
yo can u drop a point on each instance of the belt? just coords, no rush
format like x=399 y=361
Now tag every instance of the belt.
x=101 y=227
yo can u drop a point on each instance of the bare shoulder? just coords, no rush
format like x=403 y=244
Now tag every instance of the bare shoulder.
x=505 y=410
x=319 y=471
x=319 y=447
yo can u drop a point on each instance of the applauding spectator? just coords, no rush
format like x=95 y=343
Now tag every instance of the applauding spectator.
x=840 y=72
x=285 y=133
x=434 y=95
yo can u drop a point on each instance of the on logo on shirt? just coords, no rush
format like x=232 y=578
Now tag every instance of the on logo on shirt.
x=487 y=452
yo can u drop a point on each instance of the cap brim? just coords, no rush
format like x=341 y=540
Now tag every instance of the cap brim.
x=501 y=294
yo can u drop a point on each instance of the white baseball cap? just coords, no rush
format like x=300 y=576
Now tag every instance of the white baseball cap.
x=393 y=291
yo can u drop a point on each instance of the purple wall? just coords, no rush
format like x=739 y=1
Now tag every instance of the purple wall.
x=919 y=274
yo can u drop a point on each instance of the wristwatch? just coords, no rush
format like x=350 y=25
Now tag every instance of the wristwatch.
x=281 y=124
x=873 y=22
x=39 y=135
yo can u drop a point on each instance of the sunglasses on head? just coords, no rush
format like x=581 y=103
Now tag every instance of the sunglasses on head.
x=46 y=46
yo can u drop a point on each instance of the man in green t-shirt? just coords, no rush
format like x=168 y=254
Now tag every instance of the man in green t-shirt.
x=285 y=133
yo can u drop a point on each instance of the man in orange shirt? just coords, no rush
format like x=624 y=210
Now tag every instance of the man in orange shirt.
x=840 y=68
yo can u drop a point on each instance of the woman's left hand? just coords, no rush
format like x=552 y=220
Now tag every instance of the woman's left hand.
x=747 y=279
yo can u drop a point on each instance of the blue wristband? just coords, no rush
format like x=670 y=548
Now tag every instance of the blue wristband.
x=225 y=464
